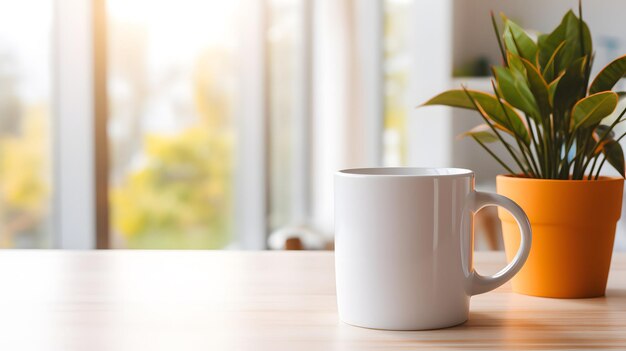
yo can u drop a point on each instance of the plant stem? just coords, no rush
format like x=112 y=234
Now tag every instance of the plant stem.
x=600 y=168
x=604 y=135
x=546 y=159
x=604 y=160
x=540 y=146
x=579 y=168
x=497 y=32
x=593 y=165
x=565 y=159
x=533 y=172
x=534 y=144
x=485 y=117
x=551 y=146
x=494 y=156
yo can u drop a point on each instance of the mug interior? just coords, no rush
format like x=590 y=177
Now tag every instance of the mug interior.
x=407 y=172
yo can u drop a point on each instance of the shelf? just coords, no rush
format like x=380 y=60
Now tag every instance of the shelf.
x=473 y=83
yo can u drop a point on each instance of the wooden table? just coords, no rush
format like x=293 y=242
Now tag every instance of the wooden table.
x=199 y=300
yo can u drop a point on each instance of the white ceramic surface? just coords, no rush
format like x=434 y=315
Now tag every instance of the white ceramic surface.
x=403 y=246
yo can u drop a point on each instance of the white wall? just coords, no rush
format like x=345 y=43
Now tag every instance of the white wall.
x=429 y=129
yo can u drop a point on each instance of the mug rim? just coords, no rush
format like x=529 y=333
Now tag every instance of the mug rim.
x=405 y=172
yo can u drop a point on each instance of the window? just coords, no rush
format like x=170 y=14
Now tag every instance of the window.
x=172 y=86
x=397 y=63
x=288 y=102
x=25 y=124
x=179 y=150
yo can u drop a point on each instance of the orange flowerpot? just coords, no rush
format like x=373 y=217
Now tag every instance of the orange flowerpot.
x=573 y=223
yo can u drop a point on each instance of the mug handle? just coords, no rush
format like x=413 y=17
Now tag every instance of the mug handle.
x=476 y=201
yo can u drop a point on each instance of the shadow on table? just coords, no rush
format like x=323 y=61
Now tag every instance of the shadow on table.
x=494 y=331
x=615 y=297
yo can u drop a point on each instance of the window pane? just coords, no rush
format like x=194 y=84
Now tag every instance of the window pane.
x=25 y=132
x=285 y=112
x=397 y=63
x=171 y=83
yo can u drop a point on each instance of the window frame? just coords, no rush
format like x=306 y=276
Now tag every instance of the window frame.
x=251 y=165
x=74 y=209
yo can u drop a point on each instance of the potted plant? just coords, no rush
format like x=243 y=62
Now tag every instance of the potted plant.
x=551 y=119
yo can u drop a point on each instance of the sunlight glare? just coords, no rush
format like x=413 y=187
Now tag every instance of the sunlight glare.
x=182 y=26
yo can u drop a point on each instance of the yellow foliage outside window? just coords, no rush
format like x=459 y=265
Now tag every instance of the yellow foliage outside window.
x=180 y=195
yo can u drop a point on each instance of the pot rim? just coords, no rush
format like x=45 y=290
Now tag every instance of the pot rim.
x=522 y=178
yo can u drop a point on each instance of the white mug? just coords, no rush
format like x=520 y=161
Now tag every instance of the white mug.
x=404 y=243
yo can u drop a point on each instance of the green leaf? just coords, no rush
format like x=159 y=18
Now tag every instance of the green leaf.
x=513 y=124
x=549 y=72
x=552 y=88
x=572 y=50
x=483 y=133
x=538 y=87
x=609 y=75
x=568 y=31
x=571 y=88
x=514 y=89
x=548 y=43
x=615 y=155
x=518 y=42
x=592 y=109
x=541 y=39
x=515 y=63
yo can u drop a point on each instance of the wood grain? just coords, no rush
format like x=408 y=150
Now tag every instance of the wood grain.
x=201 y=300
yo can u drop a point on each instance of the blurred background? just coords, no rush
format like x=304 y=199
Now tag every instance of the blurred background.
x=213 y=124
